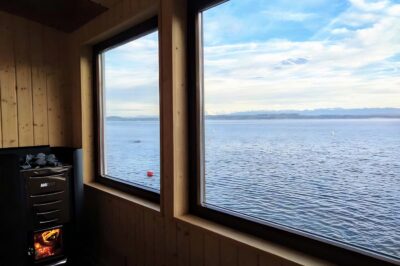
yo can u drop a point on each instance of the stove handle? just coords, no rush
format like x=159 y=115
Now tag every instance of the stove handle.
x=48 y=221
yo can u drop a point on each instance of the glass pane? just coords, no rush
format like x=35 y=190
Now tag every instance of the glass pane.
x=48 y=243
x=302 y=116
x=131 y=112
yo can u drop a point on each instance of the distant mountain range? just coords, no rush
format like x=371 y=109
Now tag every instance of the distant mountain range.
x=332 y=113
x=136 y=118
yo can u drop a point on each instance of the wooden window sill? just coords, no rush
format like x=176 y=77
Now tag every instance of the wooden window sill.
x=286 y=255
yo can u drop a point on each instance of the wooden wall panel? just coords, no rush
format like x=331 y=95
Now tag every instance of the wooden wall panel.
x=183 y=244
x=57 y=90
x=247 y=257
x=159 y=241
x=149 y=244
x=39 y=88
x=8 y=83
x=24 y=81
x=145 y=237
x=88 y=109
x=212 y=250
x=229 y=253
x=76 y=97
x=34 y=84
x=140 y=245
x=196 y=247
x=171 y=247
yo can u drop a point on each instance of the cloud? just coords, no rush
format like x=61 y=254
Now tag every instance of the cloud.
x=351 y=59
x=340 y=31
x=131 y=108
x=287 y=15
x=131 y=78
x=370 y=5
x=341 y=66
x=294 y=61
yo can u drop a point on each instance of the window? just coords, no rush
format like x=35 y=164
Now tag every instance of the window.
x=129 y=120
x=297 y=132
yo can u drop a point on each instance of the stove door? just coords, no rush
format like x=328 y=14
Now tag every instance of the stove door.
x=48 y=244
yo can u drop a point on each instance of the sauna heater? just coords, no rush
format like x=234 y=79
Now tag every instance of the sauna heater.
x=35 y=212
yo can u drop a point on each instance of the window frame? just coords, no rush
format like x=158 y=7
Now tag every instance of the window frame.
x=317 y=246
x=131 y=34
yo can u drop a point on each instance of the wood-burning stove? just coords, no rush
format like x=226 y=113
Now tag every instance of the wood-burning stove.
x=48 y=203
x=35 y=206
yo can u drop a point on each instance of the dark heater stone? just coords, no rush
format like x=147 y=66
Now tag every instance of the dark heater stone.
x=39 y=160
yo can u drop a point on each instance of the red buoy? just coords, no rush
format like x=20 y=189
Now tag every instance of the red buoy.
x=150 y=173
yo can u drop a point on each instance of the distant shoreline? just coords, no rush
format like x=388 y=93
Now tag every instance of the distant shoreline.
x=333 y=113
x=294 y=116
x=263 y=117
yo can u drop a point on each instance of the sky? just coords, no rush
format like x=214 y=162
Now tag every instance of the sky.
x=131 y=78
x=276 y=55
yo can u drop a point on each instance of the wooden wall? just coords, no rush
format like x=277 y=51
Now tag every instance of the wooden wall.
x=123 y=230
x=34 y=86
x=120 y=233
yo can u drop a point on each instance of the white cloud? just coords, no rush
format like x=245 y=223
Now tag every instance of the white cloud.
x=131 y=109
x=351 y=69
x=340 y=31
x=288 y=16
x=346 y=64
x=132 y=78
x=370 y=5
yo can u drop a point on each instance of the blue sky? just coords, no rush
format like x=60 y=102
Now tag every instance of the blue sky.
x=131 y=78
x=276 y=55
x=239 y=21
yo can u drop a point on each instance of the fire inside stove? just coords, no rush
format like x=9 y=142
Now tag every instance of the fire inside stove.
x=48 y=243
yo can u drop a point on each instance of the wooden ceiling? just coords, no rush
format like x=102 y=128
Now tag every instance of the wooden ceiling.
x=64 y=15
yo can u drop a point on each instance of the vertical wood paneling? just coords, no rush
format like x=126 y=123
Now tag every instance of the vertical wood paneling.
x=65 y=114
x=55 y=85
x=247 y=257
x=144 y=237
x=166 y=113
x=31 y=87
x=39 y=89
x=159 y=242
x=24 y=82
x=229 y=253
x=76 y=96
x=8 y=83
x=211 y=250
x=183 y=244
x=269 y=260
x=149 y=238
x=52 y=83
x=131 y=247
x=171 y=240
x=124 y=231
x=140 y=254
x=88 y=142
x=196 y=247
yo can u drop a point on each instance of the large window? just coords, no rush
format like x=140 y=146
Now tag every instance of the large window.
x=299 y=110
x=129 y=120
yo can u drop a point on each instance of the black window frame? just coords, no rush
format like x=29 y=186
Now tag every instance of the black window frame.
x=319 y=247
x=131 y=34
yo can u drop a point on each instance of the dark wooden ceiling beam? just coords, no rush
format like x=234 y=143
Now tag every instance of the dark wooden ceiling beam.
x=64 y=15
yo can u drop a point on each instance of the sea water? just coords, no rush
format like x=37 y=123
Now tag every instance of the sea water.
x=338 y=178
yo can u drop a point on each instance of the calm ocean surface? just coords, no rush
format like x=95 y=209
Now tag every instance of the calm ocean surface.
x=331 y=177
